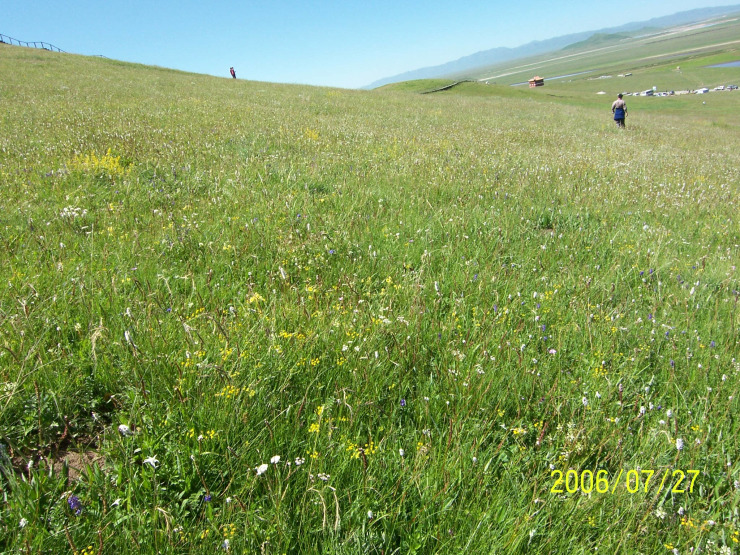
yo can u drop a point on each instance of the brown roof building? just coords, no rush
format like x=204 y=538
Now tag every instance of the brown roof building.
x=537 y=81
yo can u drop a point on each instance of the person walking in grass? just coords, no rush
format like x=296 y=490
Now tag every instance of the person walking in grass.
x=619 y=109
x=233 y=73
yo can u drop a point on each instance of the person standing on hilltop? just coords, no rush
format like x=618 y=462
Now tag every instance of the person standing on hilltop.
x=619 y=109
x=233 y=73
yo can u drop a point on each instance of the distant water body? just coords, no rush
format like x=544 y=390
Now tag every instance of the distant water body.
x=736 y=63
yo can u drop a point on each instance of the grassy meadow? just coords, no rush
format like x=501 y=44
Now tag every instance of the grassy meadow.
x=258 y=318
x=678 y=60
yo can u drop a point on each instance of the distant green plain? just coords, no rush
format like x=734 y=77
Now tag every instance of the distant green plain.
x=678 y=61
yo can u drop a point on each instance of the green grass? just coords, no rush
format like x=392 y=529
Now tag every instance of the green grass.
x=430 y=302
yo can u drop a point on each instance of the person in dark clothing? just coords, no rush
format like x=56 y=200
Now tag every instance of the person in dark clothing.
x=619 y=109
x=233 y=73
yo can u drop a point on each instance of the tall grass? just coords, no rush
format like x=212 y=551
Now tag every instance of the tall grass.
x=252 y=317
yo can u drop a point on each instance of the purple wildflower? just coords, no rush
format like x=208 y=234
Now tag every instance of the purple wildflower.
x=74 y=504
x=403 y=402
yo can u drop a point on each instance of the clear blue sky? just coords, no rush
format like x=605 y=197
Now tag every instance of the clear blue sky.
x=346 y=43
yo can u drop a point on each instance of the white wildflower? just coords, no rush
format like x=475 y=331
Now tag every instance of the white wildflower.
x=151 y=461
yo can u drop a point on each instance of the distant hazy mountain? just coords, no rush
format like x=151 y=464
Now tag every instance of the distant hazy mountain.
x=502 y=54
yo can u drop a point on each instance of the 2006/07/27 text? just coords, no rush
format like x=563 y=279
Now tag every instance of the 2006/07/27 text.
x=588 y=481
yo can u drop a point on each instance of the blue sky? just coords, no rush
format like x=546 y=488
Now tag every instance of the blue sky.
x=345 y=43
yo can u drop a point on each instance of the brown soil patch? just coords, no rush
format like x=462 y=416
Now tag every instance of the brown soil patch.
x=77 y=462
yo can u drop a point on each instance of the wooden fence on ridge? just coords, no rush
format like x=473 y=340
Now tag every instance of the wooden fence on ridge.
x=32 y=44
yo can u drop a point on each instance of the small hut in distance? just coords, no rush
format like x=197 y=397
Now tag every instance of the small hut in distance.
x=536 y=81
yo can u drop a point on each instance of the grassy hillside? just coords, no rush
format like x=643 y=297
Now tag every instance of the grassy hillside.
x=639 y=55
x=680 y=60
x=248 y=317
x=599 y=39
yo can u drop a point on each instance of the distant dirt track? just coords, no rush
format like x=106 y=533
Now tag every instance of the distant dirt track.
x=446 y=87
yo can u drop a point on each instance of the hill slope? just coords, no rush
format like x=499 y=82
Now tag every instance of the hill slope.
x=256 y=318
x=598 y=39
x=671 y=48
x=470 y=65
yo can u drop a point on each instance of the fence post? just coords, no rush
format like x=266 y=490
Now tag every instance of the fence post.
x=35 y=44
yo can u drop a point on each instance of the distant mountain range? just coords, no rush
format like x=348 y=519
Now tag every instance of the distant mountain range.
x=480 y=60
